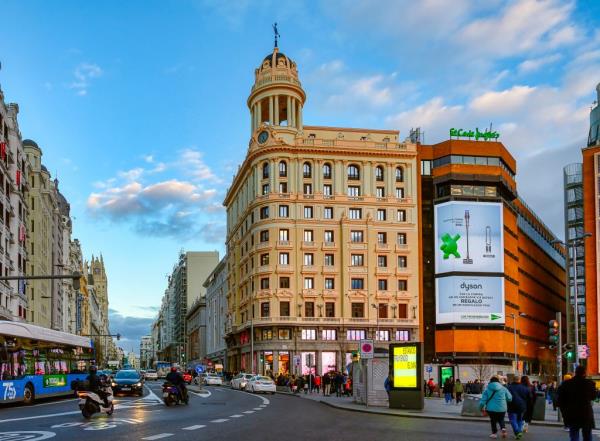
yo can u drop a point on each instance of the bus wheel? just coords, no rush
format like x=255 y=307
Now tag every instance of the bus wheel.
x=28 y=394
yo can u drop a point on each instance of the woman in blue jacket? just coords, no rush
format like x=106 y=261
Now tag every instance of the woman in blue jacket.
x=494 y=401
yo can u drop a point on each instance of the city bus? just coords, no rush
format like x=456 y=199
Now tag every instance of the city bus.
x=37 y=362
x=162 y=368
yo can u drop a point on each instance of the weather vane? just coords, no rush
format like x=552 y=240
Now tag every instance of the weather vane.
x=276 y=32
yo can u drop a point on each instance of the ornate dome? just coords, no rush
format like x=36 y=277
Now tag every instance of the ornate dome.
x=278 y=61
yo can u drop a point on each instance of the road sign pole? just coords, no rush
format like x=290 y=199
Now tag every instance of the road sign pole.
x=559 y=356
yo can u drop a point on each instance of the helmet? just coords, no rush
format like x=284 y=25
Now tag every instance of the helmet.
x=93 y=369
x=173 y=369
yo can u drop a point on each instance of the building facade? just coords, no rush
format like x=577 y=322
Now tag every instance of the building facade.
x=14 y=212
x=196 y=333
x=146 y=352
x=322 y=236
x=493 y=277
x=216 y=315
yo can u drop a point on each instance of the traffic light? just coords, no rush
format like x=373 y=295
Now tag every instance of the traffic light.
x=553 y=332
x=569 y=353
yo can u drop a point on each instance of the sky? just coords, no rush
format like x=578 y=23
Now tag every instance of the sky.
x=140 y=106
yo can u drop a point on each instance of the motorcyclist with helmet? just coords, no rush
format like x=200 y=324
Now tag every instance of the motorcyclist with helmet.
x=174 y=377
x=95 y=384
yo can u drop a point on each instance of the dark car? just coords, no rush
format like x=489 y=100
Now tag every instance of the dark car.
x=128 y=381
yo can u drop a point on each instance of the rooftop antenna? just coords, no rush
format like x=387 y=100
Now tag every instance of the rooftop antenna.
x=276 y=32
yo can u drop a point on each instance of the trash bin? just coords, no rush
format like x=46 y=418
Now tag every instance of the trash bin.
x=470 y=405
x=539 y=408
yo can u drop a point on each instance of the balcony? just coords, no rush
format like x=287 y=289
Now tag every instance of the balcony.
x=357 y=245
x=357 y=269
x=358 y=320
x=382 y=271
x=309 y=269
x=382 y=247
x=264 y=269
x=404 y=271
x=403 y=295
x=330 y=269
x=284 y=244
x=383 y=295
x=311 y=319
x=329 y=246
x=285 y=269
x=308 y=196
x=308 y=245
x=330 y=320
x=400 y=247
x=309 y=293
x=262 y=246
x=330 y=293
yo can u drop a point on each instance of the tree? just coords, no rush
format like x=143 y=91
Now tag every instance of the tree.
x=482 y=370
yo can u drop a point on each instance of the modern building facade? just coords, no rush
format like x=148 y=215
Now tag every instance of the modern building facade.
x=216 y=315
x=493 y=276
x=146 y=352
x=322 y=236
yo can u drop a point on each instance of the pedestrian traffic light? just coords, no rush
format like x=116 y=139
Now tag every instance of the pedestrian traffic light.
x=569 y=353
x=553 y=332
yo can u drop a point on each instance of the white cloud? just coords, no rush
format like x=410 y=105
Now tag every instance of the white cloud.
x=503 y=101
x=535 y=64
x=84 y=73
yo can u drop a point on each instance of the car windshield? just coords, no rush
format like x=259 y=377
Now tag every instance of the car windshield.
x=247 y=376
x=129 y=375
x=151 y=372
x=263 y=379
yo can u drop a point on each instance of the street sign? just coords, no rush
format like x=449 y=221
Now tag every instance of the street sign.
x=583 y=351
x=366 y=349
x=297 y=360
x=429 y=369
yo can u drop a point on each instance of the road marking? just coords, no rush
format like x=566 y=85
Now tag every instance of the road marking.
x=159 y=436
x=40 y=416
x=264 y=400
x=236 y=416
x=26 y=435
x=222 y=420
x=196 y=427
x=258 y=408
x=263 y=405
x=54 y=402
x=206 y=394
x=248 y=411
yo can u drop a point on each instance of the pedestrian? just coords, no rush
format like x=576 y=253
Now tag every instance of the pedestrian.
x=447 y=390
x=338 y=381
x=575 y=401
x=388 y=383
x=551 y=394
x=458 y=390
x=517 y=406
x=326 y=384
x=494 y=402
x=318 y=383
x=528 y=415
x=431 y=386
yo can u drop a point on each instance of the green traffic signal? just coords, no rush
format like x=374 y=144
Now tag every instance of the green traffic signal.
x=570 y=355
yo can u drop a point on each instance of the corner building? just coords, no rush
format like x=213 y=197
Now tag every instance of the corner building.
x=516 y=266
x=322 y=236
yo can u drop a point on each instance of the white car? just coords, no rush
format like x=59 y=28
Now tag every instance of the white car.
x=240 y=381
x=151 y=375
x=213 y=380
x=259 y=383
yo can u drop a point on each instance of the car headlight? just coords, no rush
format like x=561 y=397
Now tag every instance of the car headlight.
x=113 y=384
x=139 y=384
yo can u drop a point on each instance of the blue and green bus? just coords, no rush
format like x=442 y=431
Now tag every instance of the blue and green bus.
x=37 y=362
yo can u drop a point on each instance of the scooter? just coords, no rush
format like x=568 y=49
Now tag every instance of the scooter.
x=91 y=403
x=172 y=395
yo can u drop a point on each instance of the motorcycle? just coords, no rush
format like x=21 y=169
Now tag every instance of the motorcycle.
x=172 y=395
x=91 y=403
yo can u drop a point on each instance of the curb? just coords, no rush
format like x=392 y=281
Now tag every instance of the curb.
x=431 y=417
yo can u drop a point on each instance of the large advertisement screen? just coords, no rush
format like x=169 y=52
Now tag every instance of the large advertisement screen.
x=469 y=237
x=406 y=365
x=470 y=299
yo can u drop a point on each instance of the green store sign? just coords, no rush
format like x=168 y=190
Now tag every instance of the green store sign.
x=486 y=136
x=57 y=380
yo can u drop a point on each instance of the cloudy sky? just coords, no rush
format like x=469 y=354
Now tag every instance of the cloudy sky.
x=140 y=109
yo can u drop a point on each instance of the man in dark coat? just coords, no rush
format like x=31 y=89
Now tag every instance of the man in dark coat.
x=574 y=400
x=518 y=406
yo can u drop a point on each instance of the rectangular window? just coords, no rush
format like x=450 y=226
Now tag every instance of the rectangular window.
x=328 y=261
x=307 y=188
x=357 y=260
x=284 y=334
x=354 y=191
x=400 y=192
x=308 y=236
x=328 y=236
x=265 y=189
x=401 y=238
x=381 y=214
x=267 y=334
x=284 y=235
x=356 y=236
x=328 y=213
x=330 y=309
x=284 y=309
x=357 y=283
x=382 y=310
x=381 y=238
x=264 y=212
x=355 y=213
x=309 y=259
x=329 y=283
x=329 y=334
x=402 y=310
x=264 y=283
x=382 y=261
x=309 y=334
x=358 y=310
x=309 y=283
x=309 y=309
x=284 y=211
x=284 y=258
x=284 y=282
x=356 y=334
x=382 y=285
x=402 y=335
x=283 y=188
x=382 y=335
x=308 y=212
x=402 y=285
x=401 y=261
x=380 y=192
x=401 y=215
x=264 y=236
x=426 y=168
x=265 y=309
x=327 y=190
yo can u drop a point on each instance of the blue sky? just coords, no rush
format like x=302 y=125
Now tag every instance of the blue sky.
x=140 y=106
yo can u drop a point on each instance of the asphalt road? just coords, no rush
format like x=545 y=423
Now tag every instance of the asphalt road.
x=224 y=414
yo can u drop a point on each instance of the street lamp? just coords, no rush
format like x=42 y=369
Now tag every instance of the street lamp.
x=377 y=315
x=574 y=243
x=514 y=317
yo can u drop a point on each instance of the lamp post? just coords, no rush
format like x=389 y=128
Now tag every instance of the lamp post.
x=573 y=244
x=377 y=315
x=514 y=317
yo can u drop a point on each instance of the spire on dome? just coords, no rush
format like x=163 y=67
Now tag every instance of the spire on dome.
x=276 y=32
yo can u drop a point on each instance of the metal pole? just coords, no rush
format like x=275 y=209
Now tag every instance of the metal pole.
x=514 y=316
x=559 y=355
x=252 y=332
x=576 y=307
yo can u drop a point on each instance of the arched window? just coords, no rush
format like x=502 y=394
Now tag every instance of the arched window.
x=353 y=172
x=282 y=169
x=326 y=171
x=379 y=173
x=399 y=174
x=307 y=170
x=265 y=170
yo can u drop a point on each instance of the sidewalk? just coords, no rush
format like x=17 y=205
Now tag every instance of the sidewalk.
x=435 y=408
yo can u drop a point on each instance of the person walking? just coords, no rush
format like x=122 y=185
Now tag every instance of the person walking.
x=447 y=390
x=458 y=390
x=551 y=394
x=326 y=384
x=431 y=387
x=494 y=401
x=517 y=406
x=528 y=415
x=575 y=398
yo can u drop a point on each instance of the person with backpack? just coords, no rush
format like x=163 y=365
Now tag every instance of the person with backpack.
x=494 y=402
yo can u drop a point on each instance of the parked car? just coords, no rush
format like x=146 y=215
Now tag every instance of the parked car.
x=213 y=380
x=128 y=381
x=258 y=383
x=240 y=381
x=151 y=374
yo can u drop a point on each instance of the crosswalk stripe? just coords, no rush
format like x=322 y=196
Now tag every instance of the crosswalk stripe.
x=222 y=420
x=249 y=411
x=236 y=416
x=159 y=436
x=196 y=427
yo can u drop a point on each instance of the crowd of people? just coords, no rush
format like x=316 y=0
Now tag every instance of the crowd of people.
x=328 y=384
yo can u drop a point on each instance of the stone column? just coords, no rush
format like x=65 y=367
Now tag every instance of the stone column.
x=275 y=363
x=276 y=104
x=259 y=119
x=293 y=101
x=272 y=171
x=270 y=110
x=299 y=115
x=289 y=111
